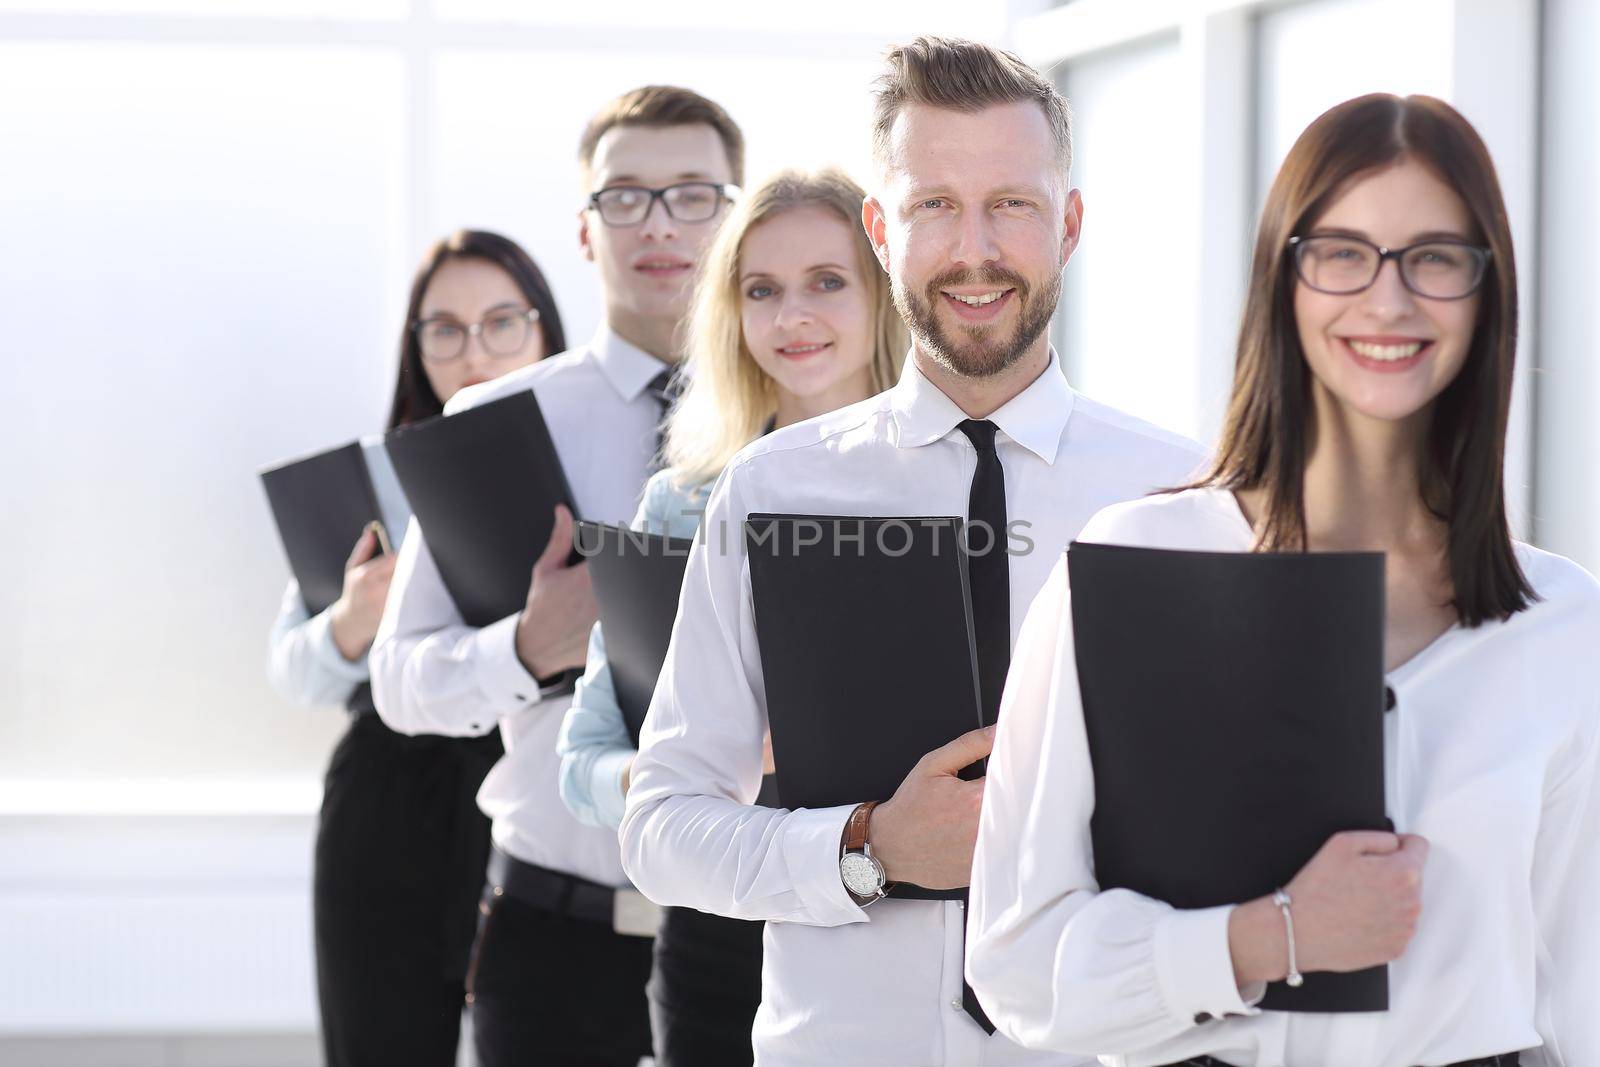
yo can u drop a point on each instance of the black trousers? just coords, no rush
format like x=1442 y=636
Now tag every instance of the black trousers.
x=704 y=989
x=548 y=989
x=399 y=863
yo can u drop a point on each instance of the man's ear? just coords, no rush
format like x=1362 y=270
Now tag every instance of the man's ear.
x=877 y=227
x=1071 y=225
x=585 y=242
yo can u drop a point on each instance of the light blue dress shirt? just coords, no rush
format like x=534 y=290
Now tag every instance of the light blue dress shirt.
x=593 y=743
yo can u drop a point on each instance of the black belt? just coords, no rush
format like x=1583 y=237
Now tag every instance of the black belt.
x=552 y=891
x=1505 y=1059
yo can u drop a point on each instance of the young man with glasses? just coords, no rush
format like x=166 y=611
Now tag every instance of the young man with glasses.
x=974 y=220
x=563 y=952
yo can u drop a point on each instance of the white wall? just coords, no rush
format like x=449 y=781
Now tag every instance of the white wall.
x=1567 y=479
x=212 y=210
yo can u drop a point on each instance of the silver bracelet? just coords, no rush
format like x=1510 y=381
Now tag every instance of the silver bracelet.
x=1280 y=897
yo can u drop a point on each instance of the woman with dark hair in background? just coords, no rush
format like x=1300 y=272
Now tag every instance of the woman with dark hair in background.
x=1371 y=395
x=401 y=845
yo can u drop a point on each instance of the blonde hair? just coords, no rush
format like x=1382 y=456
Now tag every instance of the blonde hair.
x=729 y=398
x=961 y=75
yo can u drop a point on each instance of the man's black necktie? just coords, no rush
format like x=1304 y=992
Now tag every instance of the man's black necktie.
x=664 y=389
x=988 y=571
x=989 y=580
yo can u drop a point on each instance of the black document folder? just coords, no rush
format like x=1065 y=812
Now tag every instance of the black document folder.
x=637 y=578
x=865 y=631
x=1234 y=709
x=483 y=485
x=321 y=503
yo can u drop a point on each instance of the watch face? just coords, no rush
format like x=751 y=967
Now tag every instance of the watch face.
x=862 y=874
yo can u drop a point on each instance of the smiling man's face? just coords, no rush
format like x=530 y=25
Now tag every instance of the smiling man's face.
x=974 y=226
x=647 y=271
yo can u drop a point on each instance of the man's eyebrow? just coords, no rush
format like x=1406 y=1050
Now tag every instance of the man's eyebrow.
x=634 y=179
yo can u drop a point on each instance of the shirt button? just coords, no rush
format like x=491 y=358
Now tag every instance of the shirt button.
x=955 y=1005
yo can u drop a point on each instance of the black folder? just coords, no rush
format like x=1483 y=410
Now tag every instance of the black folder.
x=1234 y=708
x=321 y=503
x=637 y=578
x=483 y=484
x=865 y=632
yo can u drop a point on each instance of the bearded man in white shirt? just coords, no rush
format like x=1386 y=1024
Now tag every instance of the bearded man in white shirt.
x=563 y=953
x=974 y=221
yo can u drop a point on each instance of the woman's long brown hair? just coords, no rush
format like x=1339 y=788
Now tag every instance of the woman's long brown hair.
x=1266 y=436
x=414 y=398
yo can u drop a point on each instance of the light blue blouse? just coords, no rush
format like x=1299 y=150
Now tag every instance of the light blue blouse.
x=593 y=743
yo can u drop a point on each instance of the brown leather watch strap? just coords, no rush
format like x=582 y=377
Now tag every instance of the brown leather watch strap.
x=855 y=831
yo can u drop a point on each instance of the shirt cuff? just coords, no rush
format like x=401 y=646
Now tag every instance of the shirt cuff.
x=811 y=838
x=1195 y=966
x=319 y=635
x=605 y=777
x=501 y=675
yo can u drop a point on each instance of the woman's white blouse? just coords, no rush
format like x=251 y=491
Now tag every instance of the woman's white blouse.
x=1490 y=754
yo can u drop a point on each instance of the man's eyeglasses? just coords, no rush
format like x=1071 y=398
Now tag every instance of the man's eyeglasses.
x=502 y=333
x=629 y=205
x=1438 y=270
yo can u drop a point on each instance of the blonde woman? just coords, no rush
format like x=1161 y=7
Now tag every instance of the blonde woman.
x=791 y=319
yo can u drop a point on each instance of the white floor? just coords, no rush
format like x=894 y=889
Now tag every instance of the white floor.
x=277 y=1050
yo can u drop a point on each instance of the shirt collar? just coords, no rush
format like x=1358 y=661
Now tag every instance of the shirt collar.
x=626 y=366
x=1035 y=418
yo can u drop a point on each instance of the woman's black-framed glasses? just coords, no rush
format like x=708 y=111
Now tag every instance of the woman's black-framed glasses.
x=502 y=333
x=1438 y=270
x=629 y=205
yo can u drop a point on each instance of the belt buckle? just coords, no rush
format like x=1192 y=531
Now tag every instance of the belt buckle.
x=633 y=914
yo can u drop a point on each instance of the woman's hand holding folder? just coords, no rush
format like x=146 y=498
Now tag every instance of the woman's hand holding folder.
x=353 y=618
x=926 y=832
x=1356 y=905
x=553 y=630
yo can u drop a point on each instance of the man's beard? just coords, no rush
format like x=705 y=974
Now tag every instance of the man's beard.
x=979 y=352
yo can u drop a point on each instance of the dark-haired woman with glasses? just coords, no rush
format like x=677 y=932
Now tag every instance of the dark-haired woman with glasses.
x=1370 y=401
x=401 y=846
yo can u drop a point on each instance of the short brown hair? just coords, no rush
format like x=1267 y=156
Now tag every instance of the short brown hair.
x=1267 y=436
x=664 y=105
x=960 y=75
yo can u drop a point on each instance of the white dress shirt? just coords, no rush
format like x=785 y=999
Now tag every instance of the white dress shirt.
x=1490 y=753
x=841 y=984
x=304 y=666
x=434 y=674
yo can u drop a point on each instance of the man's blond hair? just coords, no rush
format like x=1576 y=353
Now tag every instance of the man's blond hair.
x=961 y=75
x=657 y=106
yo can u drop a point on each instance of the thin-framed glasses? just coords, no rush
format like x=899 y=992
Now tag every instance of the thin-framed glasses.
x=1438 y=270
x=501 y=333
x=629 y=205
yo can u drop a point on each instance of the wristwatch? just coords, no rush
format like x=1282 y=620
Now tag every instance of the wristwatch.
x=859 y=869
